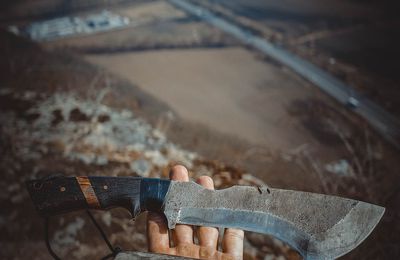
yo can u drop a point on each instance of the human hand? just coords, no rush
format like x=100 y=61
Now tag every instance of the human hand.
x=183 y=235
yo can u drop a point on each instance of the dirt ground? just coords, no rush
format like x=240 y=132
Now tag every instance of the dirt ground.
x=228 y=90
x=246 y=119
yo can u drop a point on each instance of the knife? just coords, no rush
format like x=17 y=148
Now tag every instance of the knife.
x=317 y=226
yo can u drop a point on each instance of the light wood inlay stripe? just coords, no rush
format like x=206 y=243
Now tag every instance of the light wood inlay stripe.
x=88 y=192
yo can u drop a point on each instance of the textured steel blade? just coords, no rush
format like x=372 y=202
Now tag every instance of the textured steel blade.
x=317 y=226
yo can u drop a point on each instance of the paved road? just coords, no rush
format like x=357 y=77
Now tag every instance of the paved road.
x=383 y=122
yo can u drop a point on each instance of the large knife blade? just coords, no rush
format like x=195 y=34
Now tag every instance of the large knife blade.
x=317 y=226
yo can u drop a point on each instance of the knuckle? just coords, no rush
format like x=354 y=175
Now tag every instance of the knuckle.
x=178 y=167
x=206 y=181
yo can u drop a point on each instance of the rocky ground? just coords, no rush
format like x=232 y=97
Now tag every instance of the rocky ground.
x=64 y=134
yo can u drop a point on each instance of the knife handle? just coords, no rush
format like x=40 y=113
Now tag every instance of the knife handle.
x=58 y=195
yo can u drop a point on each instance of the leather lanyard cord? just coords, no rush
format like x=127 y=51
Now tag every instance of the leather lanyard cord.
x=114 y=251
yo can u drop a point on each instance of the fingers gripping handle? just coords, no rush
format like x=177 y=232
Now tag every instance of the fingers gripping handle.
x=65 y=194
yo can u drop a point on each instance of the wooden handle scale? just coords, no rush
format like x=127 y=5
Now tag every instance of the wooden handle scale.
x=58 y=195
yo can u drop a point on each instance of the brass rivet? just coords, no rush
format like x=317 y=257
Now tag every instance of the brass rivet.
x=62 y=189
x=38 y=185
x=105 y=187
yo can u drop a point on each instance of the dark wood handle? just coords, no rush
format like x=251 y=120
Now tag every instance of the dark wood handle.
x=65 y=194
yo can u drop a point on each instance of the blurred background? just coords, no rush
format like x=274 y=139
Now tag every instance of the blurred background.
x=129 y=88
